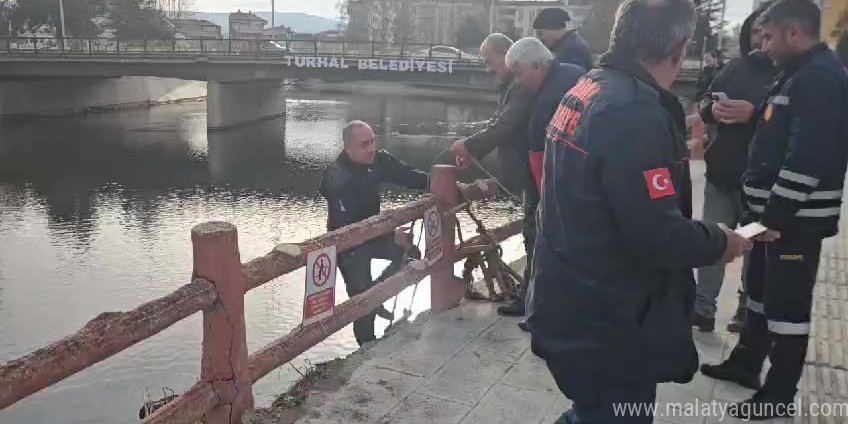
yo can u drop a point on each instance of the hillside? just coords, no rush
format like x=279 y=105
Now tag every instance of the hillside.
x=299 y=22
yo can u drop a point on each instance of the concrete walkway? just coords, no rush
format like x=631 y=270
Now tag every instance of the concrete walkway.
x=470 y=366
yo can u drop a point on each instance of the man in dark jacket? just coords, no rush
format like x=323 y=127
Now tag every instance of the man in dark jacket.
x=793 y=186
x=351 y=186
x=551 y=26
x=613 y=286
x=536 y=70
x=506 y=130
x=745 y=81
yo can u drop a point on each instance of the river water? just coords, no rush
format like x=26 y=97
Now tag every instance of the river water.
x=96 y=213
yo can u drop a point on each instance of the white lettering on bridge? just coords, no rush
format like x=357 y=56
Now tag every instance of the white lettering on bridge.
x=391 y=65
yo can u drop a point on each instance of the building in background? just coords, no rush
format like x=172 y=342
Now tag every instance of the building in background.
x=195 y=28
x=516 y=17
x=279 y=32
x=451 y=21
x=246 y=26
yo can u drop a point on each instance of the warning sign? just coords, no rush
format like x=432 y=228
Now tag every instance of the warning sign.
x=319 y=299
x=433 y=235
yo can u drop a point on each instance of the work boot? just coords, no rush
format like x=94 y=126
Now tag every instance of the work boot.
x=734 y=369
x=384 y=313
x=762 y=407
x=523 y=326
x=737 y=323
x=514 y=309
x=703 y=323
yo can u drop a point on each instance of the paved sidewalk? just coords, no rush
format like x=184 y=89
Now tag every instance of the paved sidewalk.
x=470 y=366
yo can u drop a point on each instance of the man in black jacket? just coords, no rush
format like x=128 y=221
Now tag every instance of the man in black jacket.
x=351 y=186
x=551 y=26
x=793 y=186
x=613 y=287
x=506 y=131
x=745 y=81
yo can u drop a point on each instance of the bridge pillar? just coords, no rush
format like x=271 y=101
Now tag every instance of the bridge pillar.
x=232 y=104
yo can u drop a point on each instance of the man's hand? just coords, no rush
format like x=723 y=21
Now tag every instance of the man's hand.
x=768 y=236
x=463 y=157
x=736 y=245
x=733 y=111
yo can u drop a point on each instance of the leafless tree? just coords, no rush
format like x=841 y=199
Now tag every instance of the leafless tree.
x=175 y=9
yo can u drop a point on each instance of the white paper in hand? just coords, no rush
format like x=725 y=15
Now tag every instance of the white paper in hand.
x=751 y=230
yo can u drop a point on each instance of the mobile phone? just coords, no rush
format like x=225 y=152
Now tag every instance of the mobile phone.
x=751 y=230
x=719 y=96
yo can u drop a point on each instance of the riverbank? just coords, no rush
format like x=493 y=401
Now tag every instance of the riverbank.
x=70 y=96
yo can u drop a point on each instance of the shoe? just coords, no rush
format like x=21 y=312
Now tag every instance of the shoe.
x=737 y=323
x=523 y=326
x=729 y=371
x=384 y=313
x=514 y=309
x=761 y=408
x=703 y=323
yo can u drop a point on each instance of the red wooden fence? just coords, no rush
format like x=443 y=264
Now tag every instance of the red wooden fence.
x=218 y=286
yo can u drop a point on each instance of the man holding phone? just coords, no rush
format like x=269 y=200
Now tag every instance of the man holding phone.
x=729 y=108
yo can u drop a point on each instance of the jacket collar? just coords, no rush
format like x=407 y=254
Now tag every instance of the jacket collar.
x=345 y=161
x=506 y=83
x=570 y=34
x=551 y=75
x=627 y=63
x=803 y=59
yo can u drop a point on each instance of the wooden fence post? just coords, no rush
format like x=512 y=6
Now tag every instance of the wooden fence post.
x=224 y=360
x=446 y=290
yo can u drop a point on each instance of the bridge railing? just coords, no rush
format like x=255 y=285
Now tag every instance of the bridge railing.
x=218 y=287
x=270 y=48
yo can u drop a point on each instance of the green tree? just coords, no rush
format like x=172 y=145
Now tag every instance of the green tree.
x=137 y=19
x=30 y=15
x=596 y=30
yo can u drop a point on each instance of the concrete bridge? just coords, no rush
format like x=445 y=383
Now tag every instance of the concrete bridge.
x=244 y=75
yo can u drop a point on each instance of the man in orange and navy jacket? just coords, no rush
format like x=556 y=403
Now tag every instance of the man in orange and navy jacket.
x=535 y=69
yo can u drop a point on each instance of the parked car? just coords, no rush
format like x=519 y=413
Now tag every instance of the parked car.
x=444 y=52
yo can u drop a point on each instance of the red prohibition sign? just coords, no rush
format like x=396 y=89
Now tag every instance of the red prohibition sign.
x=321 y=270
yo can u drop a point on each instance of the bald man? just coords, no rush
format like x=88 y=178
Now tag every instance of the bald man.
x=351 y=186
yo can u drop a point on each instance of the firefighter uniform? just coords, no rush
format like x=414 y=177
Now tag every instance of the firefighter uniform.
x=793 y=185
x=613 y=287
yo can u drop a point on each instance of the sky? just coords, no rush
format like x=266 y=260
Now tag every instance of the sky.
x=736 y=9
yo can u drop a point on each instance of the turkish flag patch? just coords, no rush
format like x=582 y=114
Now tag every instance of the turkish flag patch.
x=659 y=183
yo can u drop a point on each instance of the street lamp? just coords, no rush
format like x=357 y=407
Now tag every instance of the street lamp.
x=62 y=22
x=62 y=18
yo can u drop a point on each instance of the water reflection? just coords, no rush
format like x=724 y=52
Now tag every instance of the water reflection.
x=95 y=214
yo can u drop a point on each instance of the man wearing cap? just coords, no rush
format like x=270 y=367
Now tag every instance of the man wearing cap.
x=551 y=26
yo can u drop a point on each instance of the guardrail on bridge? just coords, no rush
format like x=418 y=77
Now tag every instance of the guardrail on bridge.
x=234 y=47
x=218 y=286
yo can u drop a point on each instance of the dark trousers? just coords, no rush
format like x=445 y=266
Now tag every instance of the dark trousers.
x=528 y=231
x=781 y=277
x=595 y=401
x=355 y=265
